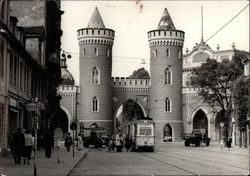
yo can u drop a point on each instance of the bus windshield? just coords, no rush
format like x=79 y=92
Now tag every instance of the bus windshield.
x=145 y=131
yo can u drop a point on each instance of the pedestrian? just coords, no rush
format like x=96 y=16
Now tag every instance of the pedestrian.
x=48 y=143
x=119 y=142
x=11 y=144
x=127 y=143
x=112 y=144
x=68 y=141
x=80 y=142
x=229 y=142
x=28 y=141
x=99 y=142
x=18 y=144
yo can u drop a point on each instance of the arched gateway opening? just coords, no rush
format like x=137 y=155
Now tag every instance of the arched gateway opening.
x=200 y=121
x=60 y=124
x=127 y=111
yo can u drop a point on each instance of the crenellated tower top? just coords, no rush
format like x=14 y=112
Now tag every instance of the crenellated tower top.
x=166 y=34
x=96 y=33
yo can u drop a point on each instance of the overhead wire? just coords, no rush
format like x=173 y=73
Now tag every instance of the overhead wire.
x=227 y=23
x=153 y=84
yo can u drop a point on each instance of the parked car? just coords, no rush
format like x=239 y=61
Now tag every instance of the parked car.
x=197 y=137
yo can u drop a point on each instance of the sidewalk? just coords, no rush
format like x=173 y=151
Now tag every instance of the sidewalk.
x=45 y=166
x=213 y=147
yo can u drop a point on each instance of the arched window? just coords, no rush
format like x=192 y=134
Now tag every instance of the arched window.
x=107 y=53
x=95 y=104
x=167 y=52
x=167 y=133
x=154 y=53
x=96 y=51
x=168 y=76
x=179 y=53
x=84 y=52
x=95 y=76
x=167 y=105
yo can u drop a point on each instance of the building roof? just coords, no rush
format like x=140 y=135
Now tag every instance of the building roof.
x=67 y=78
x=166 y=22
x=96 y=20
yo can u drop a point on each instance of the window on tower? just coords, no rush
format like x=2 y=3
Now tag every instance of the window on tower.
x=168 y=76
x=154 y=53
x=167 y=52
x=167 y=105
x=95 y=104
x=96 y=51
x=179 y=53
x=84 y=52
x=95 y=76
x=108 y=53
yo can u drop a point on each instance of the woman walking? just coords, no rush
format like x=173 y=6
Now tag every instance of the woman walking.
x=28 y=141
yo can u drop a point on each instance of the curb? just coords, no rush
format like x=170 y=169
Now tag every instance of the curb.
x=77 y=163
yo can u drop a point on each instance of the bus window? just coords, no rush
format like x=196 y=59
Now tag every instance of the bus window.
x=145 y=131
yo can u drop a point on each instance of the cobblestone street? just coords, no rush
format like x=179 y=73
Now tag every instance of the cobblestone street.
x=167 y=160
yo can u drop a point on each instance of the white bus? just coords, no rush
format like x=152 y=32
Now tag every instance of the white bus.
x=142 y=133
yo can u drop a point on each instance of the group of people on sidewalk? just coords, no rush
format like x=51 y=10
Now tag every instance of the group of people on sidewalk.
x=118 y=142
x=112 y=143
x=22 y=143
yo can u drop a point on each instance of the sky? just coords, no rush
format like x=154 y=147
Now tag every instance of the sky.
x=131 y=21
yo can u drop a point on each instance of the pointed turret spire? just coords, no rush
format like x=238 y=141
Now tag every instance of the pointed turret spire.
x=96 y=20
x=202 y=40
x=166 y=22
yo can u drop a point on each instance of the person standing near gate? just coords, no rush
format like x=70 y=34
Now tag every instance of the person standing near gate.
x=229 y=142
x=18 y=143
x=127 y=143
x=119 y=142
x=48 y=143
x=68 y=141
x=80 y=142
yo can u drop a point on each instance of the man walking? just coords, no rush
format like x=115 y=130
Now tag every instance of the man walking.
x=68 y=141
x=18 y=143
x=48 y=143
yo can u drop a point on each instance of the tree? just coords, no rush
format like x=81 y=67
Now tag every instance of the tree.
x=141 y=73
x=242 y=101
x=132 y=110
x=214 y=81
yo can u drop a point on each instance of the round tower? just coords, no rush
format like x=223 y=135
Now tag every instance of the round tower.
x=95 y=45
x=166 y=79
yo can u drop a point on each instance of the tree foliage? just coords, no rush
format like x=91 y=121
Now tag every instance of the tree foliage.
x=141 y=73
x=214 y=81
x=242 y=100
x=132 y=110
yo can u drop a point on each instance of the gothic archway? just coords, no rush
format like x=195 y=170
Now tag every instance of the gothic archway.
x=61 y=122
x=128 y=110
x=200 y=121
